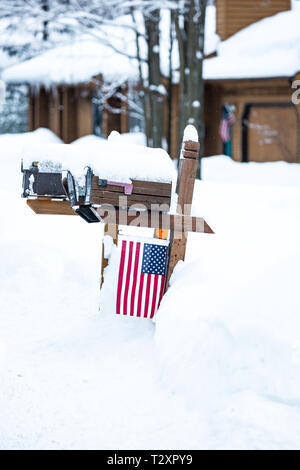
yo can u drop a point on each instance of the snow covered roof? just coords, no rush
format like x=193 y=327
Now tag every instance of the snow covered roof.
x=103 y=51
x=108 y=51
x=73 y=63
x=268 y=48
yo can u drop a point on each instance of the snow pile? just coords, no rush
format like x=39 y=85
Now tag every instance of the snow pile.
x=259 y=50
x=136 y=138
x=112 y=160
x=223 y=169
x=227 y=330
x=190 y=133
x=42 y=135
x=218 y=369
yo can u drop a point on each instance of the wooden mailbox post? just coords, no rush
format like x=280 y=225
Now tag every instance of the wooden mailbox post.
x=185 y=190
x=117 y=204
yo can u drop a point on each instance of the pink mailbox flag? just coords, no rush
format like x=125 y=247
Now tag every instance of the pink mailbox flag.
x=142 y=273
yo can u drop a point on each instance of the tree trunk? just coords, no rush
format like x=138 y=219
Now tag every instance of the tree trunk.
x=155 y=96
x=145 y=97
x=170 y=84
x=191 y=47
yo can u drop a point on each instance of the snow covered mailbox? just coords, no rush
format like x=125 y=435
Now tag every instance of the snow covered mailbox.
x=116 y=183
x=67 y=178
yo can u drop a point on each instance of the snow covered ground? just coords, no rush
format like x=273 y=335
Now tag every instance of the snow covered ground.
x=220 y=367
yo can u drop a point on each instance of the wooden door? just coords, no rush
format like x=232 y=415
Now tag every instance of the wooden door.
x=272 y=133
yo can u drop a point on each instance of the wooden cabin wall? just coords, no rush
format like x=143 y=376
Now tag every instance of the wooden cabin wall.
x=265 y=103
x=66 y=110
x=55 y=112
x=273 y=129
x=234 y=15
x=38 y=109
x=84 y=116
x=69 y=115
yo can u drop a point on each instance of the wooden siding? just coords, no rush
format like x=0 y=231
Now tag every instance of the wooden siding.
x=66 y=110
x=273 y=96
x=38 y=109
x=234 y=15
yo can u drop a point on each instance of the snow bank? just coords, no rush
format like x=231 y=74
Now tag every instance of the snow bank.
x=223 y=169
x=259 y=50
x=218 y=369
x=42 y=135
x=136 y=138
x=227 y=330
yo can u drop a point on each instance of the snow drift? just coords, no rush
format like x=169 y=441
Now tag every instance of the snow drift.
x=218 y=369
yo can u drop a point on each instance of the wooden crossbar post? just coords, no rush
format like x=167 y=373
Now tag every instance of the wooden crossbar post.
x=185 y=190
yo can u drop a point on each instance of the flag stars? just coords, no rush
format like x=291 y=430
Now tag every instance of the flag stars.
x=155 y=259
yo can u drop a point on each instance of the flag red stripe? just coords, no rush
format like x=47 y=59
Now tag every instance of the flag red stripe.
x=127 y=278
x=135 y=275
x=120 y=280
x=154 y=295
x=147 y=296
x=139 y=308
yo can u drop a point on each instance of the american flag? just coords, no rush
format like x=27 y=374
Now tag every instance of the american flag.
x=142 y=275
x=227 y=120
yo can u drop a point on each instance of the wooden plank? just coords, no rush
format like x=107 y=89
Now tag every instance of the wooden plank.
x=190 y=154
x=110 y=197
x=139 y=187
x=136 y=218
x=152 y=191
x=191 y=145
x=50 y=206
x=84 y=113
x=54 y=111
x=186 y=182
x=152 y=184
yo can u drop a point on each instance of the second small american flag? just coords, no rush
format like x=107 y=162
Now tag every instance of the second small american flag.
x=142 y=275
